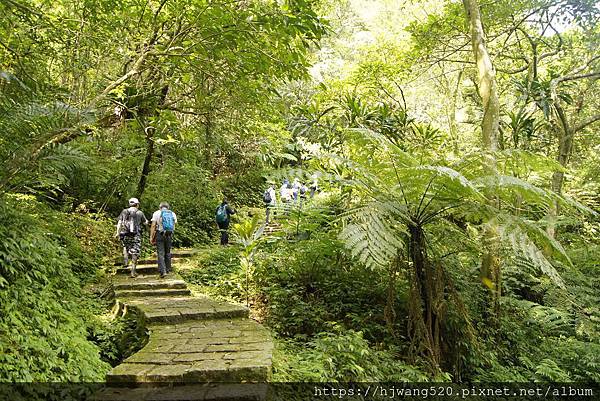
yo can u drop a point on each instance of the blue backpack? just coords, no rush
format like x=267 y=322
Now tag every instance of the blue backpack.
x=168 y=220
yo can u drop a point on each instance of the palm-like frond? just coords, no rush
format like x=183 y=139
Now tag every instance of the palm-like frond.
x=552 y=318
x=506 y=187
x=522 y=236
x=31 y=133
x=522 y=162
x=373 y=234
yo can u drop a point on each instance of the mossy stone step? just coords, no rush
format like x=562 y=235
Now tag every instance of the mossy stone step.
x=148 y=283
x=140 y=269
x=194 y=342
x=179 y=254
x=158 y=292
x=180 y=309
x=234 y=350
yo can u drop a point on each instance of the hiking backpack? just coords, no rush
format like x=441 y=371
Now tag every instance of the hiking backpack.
x=128 y=227
x=222 y=216
x=267 y=197
x=168 y=221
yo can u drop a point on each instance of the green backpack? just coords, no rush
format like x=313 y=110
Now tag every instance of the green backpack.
x=222 y=216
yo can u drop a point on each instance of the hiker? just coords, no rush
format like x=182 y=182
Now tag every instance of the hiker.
x=303 y=190
x=295 y=190
x=224 y=211
x=270 y=201
x=161 y=235
x=129 y=230
x=314 y=185
x=283 y=191
x=286 y=195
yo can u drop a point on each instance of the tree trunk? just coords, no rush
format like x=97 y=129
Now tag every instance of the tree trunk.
x=426 y=294
x=565 y=144
x=490 y=263
x=486 y=76
x=149 y=132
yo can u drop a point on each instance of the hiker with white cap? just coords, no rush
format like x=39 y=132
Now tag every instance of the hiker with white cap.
x=129 y=230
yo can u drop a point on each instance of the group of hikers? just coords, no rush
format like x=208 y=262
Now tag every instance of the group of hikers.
x=131 y=223
x=291 y=194
x=129 y=229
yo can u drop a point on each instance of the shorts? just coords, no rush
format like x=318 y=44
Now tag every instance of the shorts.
x=133 y=244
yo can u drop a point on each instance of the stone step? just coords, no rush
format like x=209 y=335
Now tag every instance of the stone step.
x=186 y=392
x=159 y=292
x=179 y=254
x=224 y=350
x=181 y=309
x=140 y=269
x=147 y=283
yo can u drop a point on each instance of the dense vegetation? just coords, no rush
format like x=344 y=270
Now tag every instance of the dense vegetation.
x=455 y=232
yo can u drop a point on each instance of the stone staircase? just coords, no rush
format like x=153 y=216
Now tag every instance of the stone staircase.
x=273 y=228
x=198 y=348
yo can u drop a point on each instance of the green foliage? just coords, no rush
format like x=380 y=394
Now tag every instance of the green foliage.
x=195 y=205
x=217 y=272
x=117 y=337
x=540 y=347
x=340 y=356
x=43 y=327
x=33 y=132
x=199 y=100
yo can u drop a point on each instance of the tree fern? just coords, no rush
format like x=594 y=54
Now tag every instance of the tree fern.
x=31 y=134
x=552 y=319
x=371 y=235
x=514 y=233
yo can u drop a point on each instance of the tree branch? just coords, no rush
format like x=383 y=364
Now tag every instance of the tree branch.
x=587 y=122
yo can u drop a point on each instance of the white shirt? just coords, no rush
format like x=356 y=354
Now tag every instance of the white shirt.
x=271 y=191
x=156 y=218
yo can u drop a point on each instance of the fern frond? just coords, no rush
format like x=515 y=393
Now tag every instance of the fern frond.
x=541 y=237
x=522 y=162
x=371 y=234
x=549 y=370
x=507 y=186
x=512 y=232
x=366 y=138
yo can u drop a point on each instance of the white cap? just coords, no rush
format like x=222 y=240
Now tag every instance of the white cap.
x=134 y=201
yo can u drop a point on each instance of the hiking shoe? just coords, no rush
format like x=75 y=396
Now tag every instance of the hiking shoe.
x=162 y=275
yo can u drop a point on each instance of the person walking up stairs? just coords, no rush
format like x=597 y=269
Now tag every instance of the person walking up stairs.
x=161 y=235
x=129 y=230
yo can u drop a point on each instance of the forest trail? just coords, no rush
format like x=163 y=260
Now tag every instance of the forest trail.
x=193 y=341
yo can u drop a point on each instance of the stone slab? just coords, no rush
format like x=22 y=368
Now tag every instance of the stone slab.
x=195 y=355
x=147 y=282
x=191 y=339
x=181 y=308
x=140 y=269
x=157 y=292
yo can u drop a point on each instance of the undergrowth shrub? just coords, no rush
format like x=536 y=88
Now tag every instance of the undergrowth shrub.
x=306 y=284
x=340 y=355
x=43 y=323
x=217 y=271
x=117 y=336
